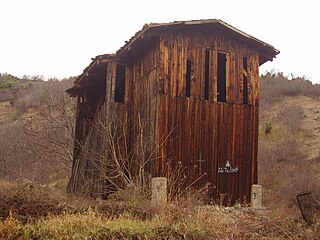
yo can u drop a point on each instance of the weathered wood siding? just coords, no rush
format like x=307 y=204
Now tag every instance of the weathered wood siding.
x=141 y=92
x=97 y=117
x=176 y=49
x=207 y=133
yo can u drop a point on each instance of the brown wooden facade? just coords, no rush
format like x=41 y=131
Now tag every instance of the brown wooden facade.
x=195 y=86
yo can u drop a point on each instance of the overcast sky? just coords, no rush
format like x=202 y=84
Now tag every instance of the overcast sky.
x=57 y=38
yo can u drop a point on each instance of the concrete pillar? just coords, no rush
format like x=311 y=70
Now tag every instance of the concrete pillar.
x=256 y=196
x=159 y=190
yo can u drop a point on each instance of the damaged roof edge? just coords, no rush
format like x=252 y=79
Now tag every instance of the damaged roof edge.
x=104 y=58
x=150 y=26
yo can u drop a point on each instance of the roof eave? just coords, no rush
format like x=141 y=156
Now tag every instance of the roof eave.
x=265 y=47
x=97 y=62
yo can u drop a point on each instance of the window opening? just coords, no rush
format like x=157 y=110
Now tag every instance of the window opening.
x=120 y=83
x=188 y=78
x=206 y=74
x=222 y=75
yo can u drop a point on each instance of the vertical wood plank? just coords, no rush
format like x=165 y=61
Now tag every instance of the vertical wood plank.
x=250 y=78
x=230 y=88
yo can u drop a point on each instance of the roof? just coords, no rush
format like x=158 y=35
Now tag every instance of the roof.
x=266 y=51
x=97 y=67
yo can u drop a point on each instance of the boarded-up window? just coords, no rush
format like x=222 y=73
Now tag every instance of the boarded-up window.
x=222 y=75
x=188 y=78
x=206 y=74
x=120 y=83
x=245 y=81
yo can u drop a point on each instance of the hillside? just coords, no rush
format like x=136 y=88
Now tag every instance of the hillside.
x=311 y=127
x=303 y=118
x=36 y=128
x=289 y=140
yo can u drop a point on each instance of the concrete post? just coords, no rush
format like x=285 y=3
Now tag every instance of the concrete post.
x=159 y=190
x=256 y=196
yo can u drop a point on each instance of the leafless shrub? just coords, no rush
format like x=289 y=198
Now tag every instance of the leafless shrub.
x=184 y=185
x=292 y=117
x=50 y=94
x=13 y=156
x=274 y=86
x=109 y=162
x=5 y=95
x=38 y=145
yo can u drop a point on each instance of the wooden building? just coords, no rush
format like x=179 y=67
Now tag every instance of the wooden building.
x=192 y=87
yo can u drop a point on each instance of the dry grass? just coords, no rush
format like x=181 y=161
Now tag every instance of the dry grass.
x=288 y=158
x=26 y=201
x=208 y=222
x=134 y=218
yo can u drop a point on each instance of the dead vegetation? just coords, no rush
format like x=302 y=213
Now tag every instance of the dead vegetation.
x=26 y=201
x=288 y=141
x=36 y=212
x=36 y=128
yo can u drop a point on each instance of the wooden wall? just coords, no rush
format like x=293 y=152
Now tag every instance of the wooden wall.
x=142 y=101
x=97 y=117
x=175 y=49
x=206 y=133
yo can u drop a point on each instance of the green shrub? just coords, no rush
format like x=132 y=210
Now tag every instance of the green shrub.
x=8 y=84
x=268 y=127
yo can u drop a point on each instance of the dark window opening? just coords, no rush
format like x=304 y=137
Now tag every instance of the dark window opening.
x=188 y=78
x=102 y=92
x=206 y=74
x=245 y=81
x=222 y=77
x=120 y=84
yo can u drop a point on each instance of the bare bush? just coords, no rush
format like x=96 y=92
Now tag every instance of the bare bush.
x=292 y=117
x=275 y=86
x=38 y=145
x=14 y=157
x=51 y=127
x=110 y=162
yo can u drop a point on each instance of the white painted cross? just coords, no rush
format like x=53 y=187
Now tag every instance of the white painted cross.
x=200 y=164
